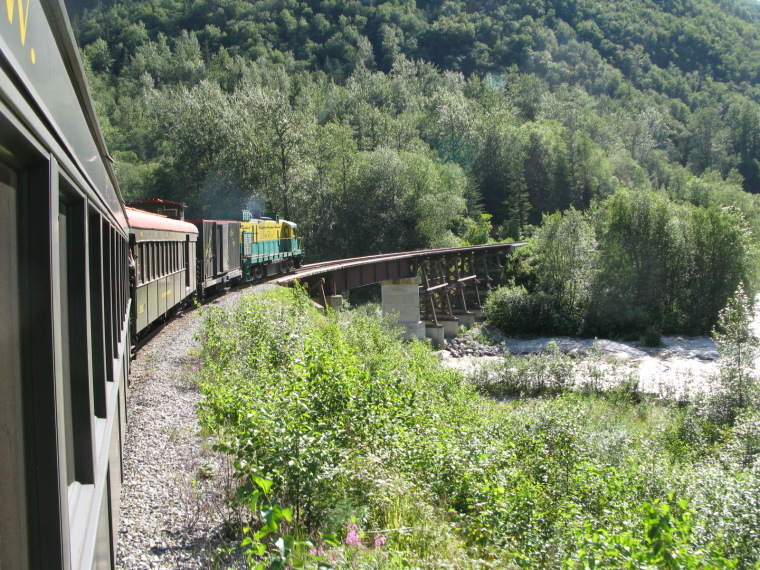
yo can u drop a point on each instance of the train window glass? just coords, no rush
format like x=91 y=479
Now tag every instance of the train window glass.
x=107 y=300
x=185 y=260
x=12 y=487
x=67 y=397
x=116 y=262
x=75 y=349
x=99 y=374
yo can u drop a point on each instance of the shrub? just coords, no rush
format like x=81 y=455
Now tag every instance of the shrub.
x=514 y=311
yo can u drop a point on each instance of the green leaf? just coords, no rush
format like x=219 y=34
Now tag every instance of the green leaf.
x=264 y=484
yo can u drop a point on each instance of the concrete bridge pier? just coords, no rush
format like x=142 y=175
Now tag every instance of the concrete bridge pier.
x=402 y=297
x=450 y=326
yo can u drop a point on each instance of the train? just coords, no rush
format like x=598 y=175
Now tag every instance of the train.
x=82 y=274
x=175 y=261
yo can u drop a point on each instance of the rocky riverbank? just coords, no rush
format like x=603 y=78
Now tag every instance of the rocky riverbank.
x=680 y=366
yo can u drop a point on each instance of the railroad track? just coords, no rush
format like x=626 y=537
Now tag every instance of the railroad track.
x=313 y=269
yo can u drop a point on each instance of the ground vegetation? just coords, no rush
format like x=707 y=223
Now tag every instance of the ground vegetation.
x=367 y=453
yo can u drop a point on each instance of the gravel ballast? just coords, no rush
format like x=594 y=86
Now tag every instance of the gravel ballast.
x=173 y=498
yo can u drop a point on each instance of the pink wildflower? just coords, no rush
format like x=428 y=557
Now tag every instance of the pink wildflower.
x=352 y=539
x=379 y=541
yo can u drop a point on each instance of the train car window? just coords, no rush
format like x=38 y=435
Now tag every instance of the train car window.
x=99 y=364
x=116 y=261
x=12 y=476
x=186 y=260
x=107 y=300
x=75 y=349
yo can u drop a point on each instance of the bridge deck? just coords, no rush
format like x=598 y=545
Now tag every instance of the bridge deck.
x=359 y=271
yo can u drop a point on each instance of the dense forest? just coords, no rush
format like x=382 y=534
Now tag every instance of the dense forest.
x=382 y=126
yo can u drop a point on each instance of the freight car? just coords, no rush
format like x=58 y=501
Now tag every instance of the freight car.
x=218 y=254
x=64 y=304
x=163 y=276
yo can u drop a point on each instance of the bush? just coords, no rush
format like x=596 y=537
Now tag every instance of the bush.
x=652 y=337
x=514 y=311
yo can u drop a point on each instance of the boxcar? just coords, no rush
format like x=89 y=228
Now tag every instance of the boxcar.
x=64 y=303
x=163 y=257
x=218 y=253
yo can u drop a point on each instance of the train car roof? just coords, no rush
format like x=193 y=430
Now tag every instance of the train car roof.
x=147 y=221
x=135 y=203
x=52 y=97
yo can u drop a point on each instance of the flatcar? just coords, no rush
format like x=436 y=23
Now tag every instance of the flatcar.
x=163 y=275
x=64 y=304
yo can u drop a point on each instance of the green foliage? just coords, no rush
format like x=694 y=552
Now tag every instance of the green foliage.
x=665 y=544
x=336 y=115
x=565 y=257
x=365 y=436
x=275 y=553
x=638 y=263
x=514 y=311
x=736 y=386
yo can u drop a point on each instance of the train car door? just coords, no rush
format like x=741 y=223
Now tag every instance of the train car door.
x=224 y=248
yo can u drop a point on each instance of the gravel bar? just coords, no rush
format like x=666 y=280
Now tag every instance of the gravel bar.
x=173 y=498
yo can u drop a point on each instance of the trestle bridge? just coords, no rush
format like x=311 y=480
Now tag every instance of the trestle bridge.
x=431 y=291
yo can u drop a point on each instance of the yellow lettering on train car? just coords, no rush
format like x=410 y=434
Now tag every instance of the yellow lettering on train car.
x=23 y=16
x=166 y=293
x=23 y=21
x=141 y=309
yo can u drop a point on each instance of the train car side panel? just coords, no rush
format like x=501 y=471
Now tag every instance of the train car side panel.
x=161 y=271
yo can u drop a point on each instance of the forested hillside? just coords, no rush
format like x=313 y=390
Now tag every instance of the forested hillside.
x=394 y=125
